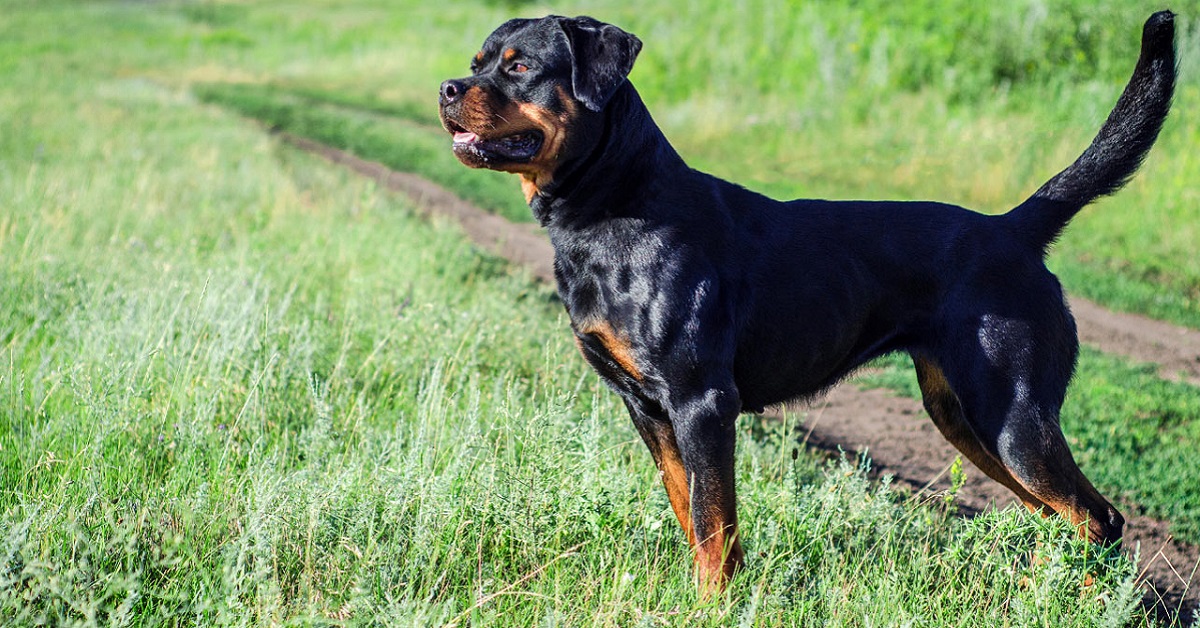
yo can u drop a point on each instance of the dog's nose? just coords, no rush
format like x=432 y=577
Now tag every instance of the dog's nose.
x=452 y=91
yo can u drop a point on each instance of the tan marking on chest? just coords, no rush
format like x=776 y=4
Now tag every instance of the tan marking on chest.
x=617 y=346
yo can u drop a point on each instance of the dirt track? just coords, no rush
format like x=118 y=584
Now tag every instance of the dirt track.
x=900 y=439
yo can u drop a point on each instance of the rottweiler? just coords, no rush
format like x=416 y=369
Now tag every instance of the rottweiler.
x=696 y=299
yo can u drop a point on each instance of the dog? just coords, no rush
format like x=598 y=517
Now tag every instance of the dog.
x=696 y=299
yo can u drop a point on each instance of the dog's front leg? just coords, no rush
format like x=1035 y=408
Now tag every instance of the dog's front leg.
x=705 y=429
x=656 y=430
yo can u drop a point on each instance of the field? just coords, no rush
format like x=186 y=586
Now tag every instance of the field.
x=243 y=386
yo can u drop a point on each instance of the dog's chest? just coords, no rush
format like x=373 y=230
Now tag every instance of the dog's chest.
x=612 y=295
x=607 y=329
x=611 y=353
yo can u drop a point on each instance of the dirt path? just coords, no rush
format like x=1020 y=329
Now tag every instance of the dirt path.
x=899 y=438
x=1176 y=350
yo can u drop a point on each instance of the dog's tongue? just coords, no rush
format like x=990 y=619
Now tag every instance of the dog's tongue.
x=465 y=137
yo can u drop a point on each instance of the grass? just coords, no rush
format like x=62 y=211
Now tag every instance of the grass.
x=242 y=387
x=366 y=128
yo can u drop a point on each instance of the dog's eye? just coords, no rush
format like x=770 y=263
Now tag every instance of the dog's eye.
x=519 y=68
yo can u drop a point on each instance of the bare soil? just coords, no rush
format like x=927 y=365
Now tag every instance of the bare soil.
x=893 y=431
x=1175 y=349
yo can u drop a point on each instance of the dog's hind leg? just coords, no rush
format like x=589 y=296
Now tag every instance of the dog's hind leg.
x=1012 y=388
x=946 y=411
x=1038 y=456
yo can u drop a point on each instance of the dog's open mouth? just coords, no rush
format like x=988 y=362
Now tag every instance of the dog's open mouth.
x=517 y=147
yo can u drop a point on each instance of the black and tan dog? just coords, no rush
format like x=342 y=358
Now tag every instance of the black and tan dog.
x=696 y=299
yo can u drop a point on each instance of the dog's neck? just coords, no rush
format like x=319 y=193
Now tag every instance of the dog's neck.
x=631 y=150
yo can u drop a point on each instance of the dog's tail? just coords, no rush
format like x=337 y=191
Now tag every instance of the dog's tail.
x=1120 y=146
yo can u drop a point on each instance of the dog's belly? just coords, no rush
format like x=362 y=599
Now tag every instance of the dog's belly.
x=770 y=380
x=785 y=358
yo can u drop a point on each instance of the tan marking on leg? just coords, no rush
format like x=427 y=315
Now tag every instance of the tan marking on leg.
x=944 y=408
x=660 y=440
x=719 y=554
x=1063 y=489
x=674 y=478
x=1069 y=499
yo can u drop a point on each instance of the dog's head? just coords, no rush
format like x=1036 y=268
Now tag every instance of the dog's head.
x=535 y=92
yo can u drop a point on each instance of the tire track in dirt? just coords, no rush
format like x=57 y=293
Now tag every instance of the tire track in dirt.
x=1175 y=349
x=894 y=431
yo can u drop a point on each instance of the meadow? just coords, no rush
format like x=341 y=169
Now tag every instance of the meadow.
x=244 y=387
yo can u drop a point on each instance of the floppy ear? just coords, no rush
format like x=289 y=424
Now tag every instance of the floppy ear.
x=602 y=56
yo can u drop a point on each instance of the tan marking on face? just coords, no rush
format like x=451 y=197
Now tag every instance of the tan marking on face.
x=476 y=107
x=509 y=54
x=555 y=128
x=617 y=346
x=492 y=117
x=528 y=188
x=478 y=57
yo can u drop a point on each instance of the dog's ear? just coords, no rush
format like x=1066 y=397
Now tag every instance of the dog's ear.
x=602 y=56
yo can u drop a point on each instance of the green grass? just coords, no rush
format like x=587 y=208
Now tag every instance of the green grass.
x=357 y=126
x=240 y=386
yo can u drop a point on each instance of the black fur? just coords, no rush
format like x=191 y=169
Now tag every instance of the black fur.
x=602 y=55
x=696 y=299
